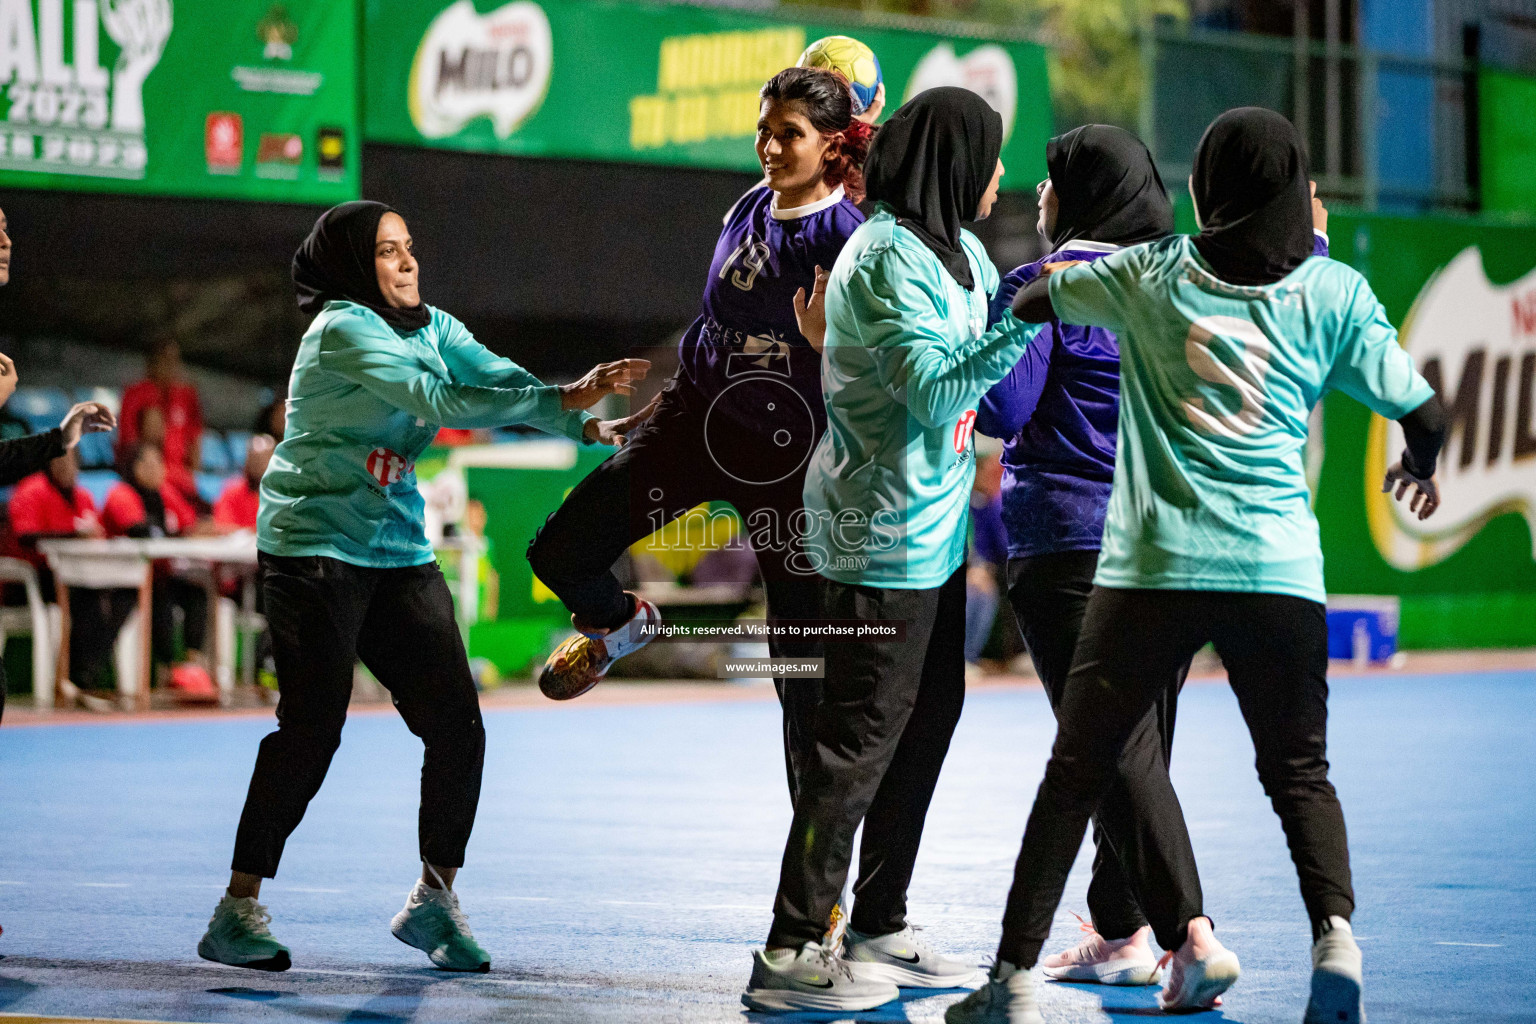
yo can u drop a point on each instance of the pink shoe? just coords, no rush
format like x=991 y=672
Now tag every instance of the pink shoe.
x=1198 y=973
x=1105 y=961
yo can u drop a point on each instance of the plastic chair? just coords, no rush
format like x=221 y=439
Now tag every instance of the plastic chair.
x=215 y=453
x=109 y=397
x=95 y=451
x=97 y=483
x=34 y=620
x=42 y=408
x=238 y=441
x=211 y=485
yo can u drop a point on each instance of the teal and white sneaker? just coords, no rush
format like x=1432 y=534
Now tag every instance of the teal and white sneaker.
x=238 y=936
x=1337 y=977
x=812 y=979
x=904 y=959
x=434 y=924
x=1008 y=997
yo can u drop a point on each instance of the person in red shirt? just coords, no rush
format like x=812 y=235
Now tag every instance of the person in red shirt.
x=144 y=504
x=49 y=504
x=241 y=499
x=164 y=388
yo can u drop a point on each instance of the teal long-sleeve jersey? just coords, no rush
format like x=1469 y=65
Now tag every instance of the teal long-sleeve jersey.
x=1216 y=385
x=907 y=359
x=363 y=404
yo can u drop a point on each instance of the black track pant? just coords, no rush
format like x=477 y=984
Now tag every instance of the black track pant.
x=1049 y=594
x=324 y=615
x=685 y=455
x=882 y=729
x=171 y=593
x=1275 y=649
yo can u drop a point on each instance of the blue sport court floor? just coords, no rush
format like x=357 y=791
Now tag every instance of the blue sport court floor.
x=625 y=857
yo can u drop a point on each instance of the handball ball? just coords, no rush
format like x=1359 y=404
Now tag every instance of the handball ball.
x=850 y=58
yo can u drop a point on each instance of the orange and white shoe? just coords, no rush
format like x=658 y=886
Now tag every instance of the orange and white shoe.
x=581 y=661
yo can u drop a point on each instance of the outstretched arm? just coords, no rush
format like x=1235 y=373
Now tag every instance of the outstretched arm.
x=349 y=349
x=1008 y=405
x=914 y=350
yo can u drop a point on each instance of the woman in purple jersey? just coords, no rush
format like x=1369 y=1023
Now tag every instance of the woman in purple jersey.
x=1057 y=412
x=741 y=416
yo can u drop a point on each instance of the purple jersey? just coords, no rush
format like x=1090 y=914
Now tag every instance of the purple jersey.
x=745 y=347
x=1058 y=410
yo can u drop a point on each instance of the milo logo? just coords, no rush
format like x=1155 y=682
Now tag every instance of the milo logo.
x=472 y=65
x=1475 y=342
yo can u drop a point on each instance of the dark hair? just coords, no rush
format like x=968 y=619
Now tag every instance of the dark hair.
x=824 y=97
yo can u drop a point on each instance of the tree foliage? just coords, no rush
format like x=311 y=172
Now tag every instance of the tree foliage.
x=1095 y=62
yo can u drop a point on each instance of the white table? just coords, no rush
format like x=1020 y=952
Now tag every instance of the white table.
x=127 y=563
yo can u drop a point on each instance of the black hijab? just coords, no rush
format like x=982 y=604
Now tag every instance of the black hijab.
x=336 y=262
x=931 y=164
x=154 y=504
x=1252 y=197
x=1107 y=188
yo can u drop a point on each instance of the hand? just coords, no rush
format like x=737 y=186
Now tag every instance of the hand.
x=616 y=432
x=604 y=379
x=86 y=418
x=1319 y=211
x=634 y=419
x=811 y=314
x=876 y=106
x=7 y=378
x=1426 y=496
x=612 y=432
x=1047 y=269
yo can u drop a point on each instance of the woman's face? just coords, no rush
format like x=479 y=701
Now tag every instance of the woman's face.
x=793 y=153
x=1047 y=224
x=149 y=469
x=984 y=208
x=5 y=249
x=395 y=265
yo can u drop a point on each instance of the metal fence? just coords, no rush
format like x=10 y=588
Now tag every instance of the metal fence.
x=1382 y=130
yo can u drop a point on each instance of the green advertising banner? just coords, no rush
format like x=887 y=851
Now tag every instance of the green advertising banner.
x=606 y=80
x=240 y=99
x=1463 y=295
x=1507 y=137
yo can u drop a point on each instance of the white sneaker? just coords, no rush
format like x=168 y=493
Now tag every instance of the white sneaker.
x=1337 y=977
x=812 y=979
x=906 y=960
x=581 y=661
x=434 y=924
x=1105 y=961
x=1198 y=984
x=1009 y=999
x=238 y=936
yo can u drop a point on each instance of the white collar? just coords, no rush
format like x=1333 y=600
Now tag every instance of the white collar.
x=796 y=212
x=1083 y=245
